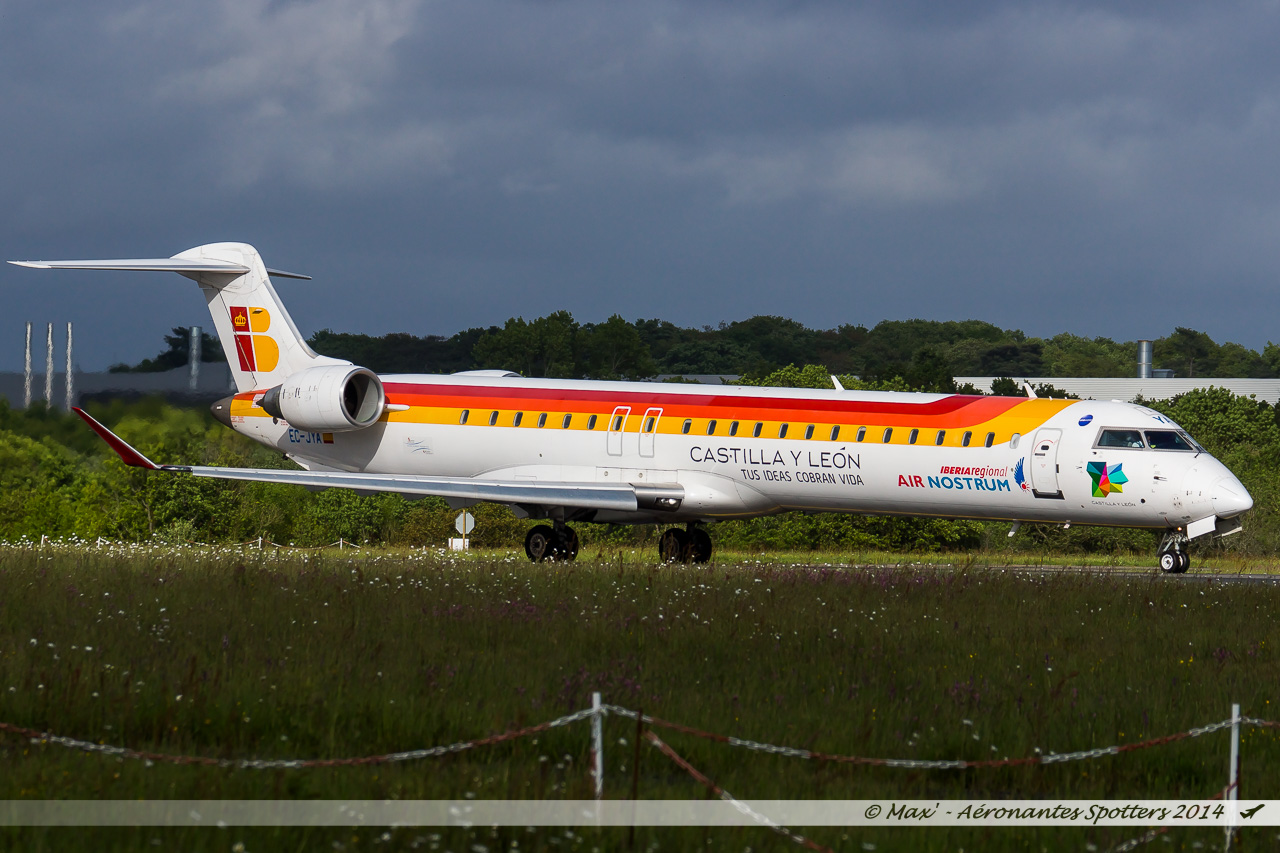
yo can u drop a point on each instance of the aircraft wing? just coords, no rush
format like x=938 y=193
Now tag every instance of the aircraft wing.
x=623 y=496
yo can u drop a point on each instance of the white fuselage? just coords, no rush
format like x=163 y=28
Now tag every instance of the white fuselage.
x=1044 y=462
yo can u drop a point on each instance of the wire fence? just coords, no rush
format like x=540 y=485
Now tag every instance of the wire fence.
x=599 y=710
x=42 y=737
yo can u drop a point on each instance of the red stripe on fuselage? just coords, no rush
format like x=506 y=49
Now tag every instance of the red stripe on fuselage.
x=953 y=410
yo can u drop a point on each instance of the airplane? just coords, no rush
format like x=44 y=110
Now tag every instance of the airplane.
x=1248 y=813
x=682 y=456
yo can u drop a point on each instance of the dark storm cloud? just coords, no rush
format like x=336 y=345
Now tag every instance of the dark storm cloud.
x=1092 y=168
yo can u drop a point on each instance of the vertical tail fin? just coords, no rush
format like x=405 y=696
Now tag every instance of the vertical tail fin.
x=262 y=344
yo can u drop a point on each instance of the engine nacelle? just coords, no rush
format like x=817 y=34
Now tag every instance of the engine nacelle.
x=338 y=398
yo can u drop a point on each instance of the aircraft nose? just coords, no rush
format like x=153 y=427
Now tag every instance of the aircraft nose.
x=1230 y=498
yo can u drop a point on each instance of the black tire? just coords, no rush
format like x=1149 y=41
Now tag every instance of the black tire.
x=699 y=545
x=1171 y=562
x=673 y=546
x=540 y=543
x=567 y=545
x=1184 y=561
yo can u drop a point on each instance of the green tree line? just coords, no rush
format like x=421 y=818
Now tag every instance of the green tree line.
x=918 y=351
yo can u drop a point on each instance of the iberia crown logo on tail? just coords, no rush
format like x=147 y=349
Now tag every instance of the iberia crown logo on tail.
x=257 y=352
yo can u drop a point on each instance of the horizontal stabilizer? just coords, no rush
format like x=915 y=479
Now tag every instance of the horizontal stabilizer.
x=180 y=265
x=140 y=265
x=283 y=274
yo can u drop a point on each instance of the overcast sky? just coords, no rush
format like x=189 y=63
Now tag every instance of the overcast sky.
x=1104 y=169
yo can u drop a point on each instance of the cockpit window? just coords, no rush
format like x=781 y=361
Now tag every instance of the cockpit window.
x=1167 y=439
x=1120 y=438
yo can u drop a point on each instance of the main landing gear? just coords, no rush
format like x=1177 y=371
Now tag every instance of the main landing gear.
x=558 y=543
x=684 y=546
x=1174 y=559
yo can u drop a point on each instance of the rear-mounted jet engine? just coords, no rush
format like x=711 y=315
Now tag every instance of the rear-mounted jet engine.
x=338 y=398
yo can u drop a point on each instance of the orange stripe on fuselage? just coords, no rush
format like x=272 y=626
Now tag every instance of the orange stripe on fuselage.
x=946 y=413
x=443 y=404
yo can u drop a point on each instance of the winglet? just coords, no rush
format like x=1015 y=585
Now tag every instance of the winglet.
x=127 y=454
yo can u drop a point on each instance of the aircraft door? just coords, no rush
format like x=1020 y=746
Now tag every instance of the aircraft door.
x=617 y=423
x=1044 y=464
x=648 y=428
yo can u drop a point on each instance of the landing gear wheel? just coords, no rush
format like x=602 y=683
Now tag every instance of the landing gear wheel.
x=699 y=545
x=546 y=543
x=673 y=545
x=1172 y=553
x=1174 y=562
x=567 y=545
x=539 y=543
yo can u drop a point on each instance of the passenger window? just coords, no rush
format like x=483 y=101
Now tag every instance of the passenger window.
x=733 y=428
x=688 y=425
x=991 y=439
x=862 y=433
x=965 y=439
x=648 y=424
x=1130 y=438
x=462 y=418
x=888 y=434
x=542 y=420
x=942 y=434
x=591 y=422
x=711 y=427
x=911 y=437
x=782 y=431
x=755 y=433
x=568 y=419
x=1013 y=442
x=808 y=432
x=517 y=419
x=493 y=418
x=835 y=433
x=617 y=423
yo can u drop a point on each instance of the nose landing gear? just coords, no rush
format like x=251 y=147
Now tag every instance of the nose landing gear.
x=1173 y=556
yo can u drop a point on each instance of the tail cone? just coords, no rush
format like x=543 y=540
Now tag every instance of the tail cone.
x=222 y=410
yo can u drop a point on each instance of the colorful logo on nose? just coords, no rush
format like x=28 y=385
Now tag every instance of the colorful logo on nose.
x=256 y=351
x=1106 y=479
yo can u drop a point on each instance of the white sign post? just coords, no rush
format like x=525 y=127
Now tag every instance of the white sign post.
x=465 y=523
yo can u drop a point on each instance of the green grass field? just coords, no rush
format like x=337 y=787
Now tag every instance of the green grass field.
x=261 y=654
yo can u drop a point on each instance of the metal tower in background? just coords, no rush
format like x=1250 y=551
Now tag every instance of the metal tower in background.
x=194 y=356
x=48 y=369
x=26 y=374
x=70 y=381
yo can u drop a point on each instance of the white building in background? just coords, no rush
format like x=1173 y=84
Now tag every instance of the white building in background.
x=1086 y=388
